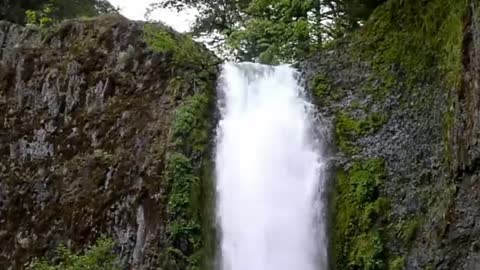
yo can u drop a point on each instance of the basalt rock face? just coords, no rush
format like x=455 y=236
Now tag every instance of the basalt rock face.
x=405 y=121
x=86 y=110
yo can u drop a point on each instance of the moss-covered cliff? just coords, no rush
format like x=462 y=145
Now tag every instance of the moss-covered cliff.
x=403 y=97
x=97 y=119
x=105 y=130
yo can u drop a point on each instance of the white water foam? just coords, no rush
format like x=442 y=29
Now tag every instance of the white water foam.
x=269 y=172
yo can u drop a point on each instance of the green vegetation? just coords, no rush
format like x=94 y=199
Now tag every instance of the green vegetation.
x=188 y=164
x=272 y=31
x=417 y=38
x=409 y=43
x=158 y=39
x=46 y=12
x=41 y=17
x=187 y=174
x=348 y=129
x=407 y=230
x=321 y=86
x=272 y=38
x=397 y=264
x=98 y=257
x=359 y=210
x=184 y=49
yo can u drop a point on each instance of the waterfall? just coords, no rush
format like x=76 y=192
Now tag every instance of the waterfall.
x=269 y=172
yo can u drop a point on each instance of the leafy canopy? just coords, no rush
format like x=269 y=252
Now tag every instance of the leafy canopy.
x=46 y=11
x=273 y=31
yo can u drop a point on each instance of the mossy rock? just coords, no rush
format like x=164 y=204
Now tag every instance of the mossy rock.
x=359 y=208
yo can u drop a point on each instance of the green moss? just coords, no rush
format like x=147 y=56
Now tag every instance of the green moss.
x=184 y=49
x=187 y=120
x=98 y=256
x=407 y=230
x=379 y=85
x=205 y=197
x=359 y=209
x=418 y=38
x=323 y=91
x=348 y=129
x=321 y=86
x=409 y=44
x=366 y=252
x=188 y=175
x=397 y=264
x=159 y=39
x=188 y=52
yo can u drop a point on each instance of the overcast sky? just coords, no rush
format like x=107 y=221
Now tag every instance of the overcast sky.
x=135 y=10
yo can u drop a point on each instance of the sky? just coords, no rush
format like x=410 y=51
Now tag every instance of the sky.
x=135 y=10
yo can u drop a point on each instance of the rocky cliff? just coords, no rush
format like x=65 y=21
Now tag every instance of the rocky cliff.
x=94 y=119
x=402 y=95
x=106 y=131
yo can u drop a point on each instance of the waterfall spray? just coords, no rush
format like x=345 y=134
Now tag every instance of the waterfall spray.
x=269 y=171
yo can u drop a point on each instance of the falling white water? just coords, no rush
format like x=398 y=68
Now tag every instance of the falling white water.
x=269 y=172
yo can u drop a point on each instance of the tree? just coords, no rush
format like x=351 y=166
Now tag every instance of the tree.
x=14 y=10
x=19 y=11
x=66 y=9
x=277 y=31
x=352 y=12
x=274 y=30
x=214 y=15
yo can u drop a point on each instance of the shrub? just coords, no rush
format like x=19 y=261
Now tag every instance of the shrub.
x=98 y=257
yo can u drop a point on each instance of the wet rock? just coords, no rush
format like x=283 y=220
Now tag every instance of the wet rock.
x=85 y=115
x=432 y=166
